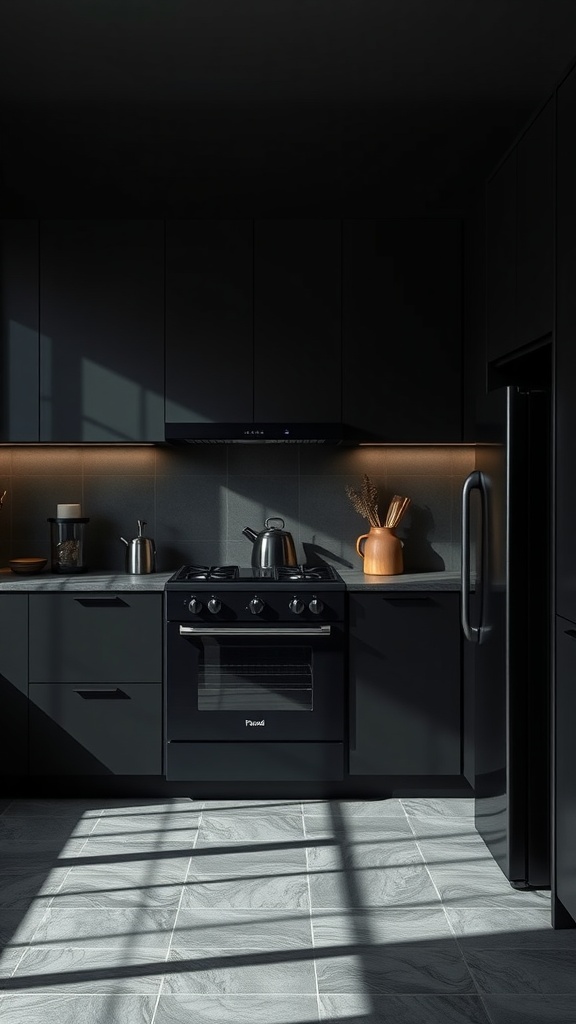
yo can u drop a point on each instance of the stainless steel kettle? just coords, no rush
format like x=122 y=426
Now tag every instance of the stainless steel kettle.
x=272 y=546
x=140 y=552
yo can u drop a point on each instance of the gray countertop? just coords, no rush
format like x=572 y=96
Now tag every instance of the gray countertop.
x=49 y=581
x=355 y=580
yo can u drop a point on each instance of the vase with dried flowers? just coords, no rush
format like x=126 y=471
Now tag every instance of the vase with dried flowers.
x=380 y=548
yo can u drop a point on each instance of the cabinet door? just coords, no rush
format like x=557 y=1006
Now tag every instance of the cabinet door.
x=565 y=767
x=95 y=729
x=501 y=218
x=535 y=230
x=14 y=683
x=95 y=638
x=102 y=331
x=402 y=331
x=405 y=684
x=565 y=387
x=297 y=333
x=19 y=331
x=209 y=321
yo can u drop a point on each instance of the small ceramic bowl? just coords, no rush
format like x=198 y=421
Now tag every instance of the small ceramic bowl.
x=27 y=565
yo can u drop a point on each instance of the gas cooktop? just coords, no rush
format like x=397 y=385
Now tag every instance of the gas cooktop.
x=234 y=574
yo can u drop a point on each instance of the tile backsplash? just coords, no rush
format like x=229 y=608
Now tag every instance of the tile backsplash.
x=196 y=500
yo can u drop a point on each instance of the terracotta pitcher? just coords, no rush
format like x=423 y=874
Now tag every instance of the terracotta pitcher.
x=381 y=551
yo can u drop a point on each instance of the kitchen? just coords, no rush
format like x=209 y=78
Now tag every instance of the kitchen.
x=198 y=499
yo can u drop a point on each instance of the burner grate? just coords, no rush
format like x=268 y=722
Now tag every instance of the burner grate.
x=306 y=573
x=206 y=572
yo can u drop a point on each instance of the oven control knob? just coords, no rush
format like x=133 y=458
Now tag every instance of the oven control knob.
x=256 y=606
x=214 y=605
x=316 y=606
x=195 y=606
x=296 y=606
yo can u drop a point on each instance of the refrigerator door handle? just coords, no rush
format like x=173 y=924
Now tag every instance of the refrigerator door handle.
x=473 y=482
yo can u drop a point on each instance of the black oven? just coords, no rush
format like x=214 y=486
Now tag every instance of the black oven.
x=255 y=682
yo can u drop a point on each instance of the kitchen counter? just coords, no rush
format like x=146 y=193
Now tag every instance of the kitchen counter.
x=355 y=580
x=98 y=581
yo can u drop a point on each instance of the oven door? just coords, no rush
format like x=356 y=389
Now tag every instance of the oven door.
x=256 y=682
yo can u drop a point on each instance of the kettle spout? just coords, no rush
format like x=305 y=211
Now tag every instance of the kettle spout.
x=251 y=534
x=124 y=541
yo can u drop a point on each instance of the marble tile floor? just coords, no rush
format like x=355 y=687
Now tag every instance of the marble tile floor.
x=269 y=912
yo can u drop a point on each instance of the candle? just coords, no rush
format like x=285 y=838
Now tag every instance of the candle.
x=68 y=511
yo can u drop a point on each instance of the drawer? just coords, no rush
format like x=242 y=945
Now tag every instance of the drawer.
x=91 y=729
x=254 y=762
x=95 y=638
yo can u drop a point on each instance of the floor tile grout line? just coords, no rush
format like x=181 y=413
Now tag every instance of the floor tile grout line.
x=310 y=914
x=458 y=946
x=161 y=986
x=49 y=905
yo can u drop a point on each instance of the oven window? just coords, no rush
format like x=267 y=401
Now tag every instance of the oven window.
x=250 y=678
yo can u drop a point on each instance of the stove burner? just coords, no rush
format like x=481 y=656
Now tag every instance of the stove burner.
x=206 y=572
x=232 y=573
x=312 y=573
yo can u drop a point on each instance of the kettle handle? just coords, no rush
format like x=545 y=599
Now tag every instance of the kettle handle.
x=272 y=519
x=141 y=525
x=358 y=544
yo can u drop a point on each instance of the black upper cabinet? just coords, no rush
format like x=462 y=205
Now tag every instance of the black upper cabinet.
x=19 y=331
x=297 y=334
x=519 y=242
x=102 y=331
x=402 y=330
x=565 y=385
x=209 y=330
x=253 y=321
x=535 y=235
x=501 y=216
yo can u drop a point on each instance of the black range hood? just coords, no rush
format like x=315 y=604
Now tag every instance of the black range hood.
x=254 y=433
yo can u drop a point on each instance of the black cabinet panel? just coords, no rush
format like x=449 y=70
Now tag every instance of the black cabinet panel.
x=535 y=233
x=501 y=219
x=254 y=762
x=402 y=330
x=209 y=327
x=405 y=684
x=297 y=335
x=19 y=331
x=566 y=351
x=76 y=638
x=14 y=683
x=565 y=768
x=95 y=730
x=102 y=331
x=520 y=242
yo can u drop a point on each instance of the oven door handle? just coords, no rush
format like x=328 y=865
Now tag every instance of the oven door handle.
x=255 y=631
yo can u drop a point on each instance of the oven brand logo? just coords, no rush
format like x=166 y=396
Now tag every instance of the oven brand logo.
x=249 y=721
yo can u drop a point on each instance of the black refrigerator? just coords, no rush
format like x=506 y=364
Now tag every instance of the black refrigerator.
x=506 y=619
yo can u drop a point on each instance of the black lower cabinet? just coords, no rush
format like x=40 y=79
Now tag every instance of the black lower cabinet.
x=95 y=684
x=91 y=637
x=89 y=729
x=564 y=873
x=14 y=684
x=405 y=684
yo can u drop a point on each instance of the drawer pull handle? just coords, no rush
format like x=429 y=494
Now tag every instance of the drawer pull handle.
x=101 y=602
x=111 y=694
x=571 y=632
